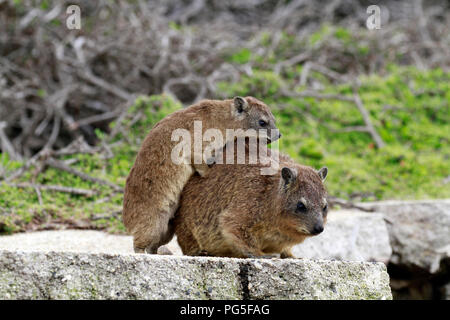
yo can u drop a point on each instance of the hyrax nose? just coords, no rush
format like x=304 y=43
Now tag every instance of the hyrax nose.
x=318 y=228
x=275 y=136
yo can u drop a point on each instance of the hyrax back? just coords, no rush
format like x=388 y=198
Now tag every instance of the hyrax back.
x=155 y=182
x=237 y=212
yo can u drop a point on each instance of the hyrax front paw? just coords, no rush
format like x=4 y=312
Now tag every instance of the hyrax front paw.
x=163 y=250
x=202 y=169
x=203 y=253
x=210 y=162
x=286 y=255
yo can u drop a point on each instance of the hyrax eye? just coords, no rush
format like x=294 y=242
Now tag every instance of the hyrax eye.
x=262 y=123
x=325 y=208
x=300 y=207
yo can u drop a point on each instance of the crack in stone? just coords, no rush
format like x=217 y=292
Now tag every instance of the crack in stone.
x=243 y=277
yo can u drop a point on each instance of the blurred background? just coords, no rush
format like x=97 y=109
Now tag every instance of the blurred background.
x=370 y=104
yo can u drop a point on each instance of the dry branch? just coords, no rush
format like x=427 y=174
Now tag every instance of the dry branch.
x=75 y=191
x=111 y=215
x=369 y=126
x=333 y=201
x=62 y=166
x=315 y=95
x=356 y=99
x=6 y=145
x=136 y=50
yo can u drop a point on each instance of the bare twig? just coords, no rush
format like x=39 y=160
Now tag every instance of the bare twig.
x=311 y=94
x=29 y=163
x=6 y=145
x=108 y=63
x=38 y=193
x=75 y=191
x=327 y=72
x=370 y=128
x=62 y=166
x=347 y=204
x=97 y=118
x=111 y=215
x=87 y=75
x=291 y=61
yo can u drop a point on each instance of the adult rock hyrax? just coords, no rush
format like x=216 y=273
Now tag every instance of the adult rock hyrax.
x=155 y=182
x=237 y=212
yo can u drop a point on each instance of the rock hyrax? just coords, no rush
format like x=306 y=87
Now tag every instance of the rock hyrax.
x=237 y=212
x=155 y=182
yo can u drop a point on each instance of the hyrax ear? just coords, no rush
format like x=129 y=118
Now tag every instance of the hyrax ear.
x=323 y=172
x=240 y=104
x=288 y=175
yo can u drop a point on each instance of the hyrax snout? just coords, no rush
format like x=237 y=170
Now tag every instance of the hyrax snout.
x=306 y=207
x=155 y=182
x=237 y=212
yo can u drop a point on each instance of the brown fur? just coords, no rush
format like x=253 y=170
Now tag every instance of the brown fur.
x=237 y=212
x=154 y=184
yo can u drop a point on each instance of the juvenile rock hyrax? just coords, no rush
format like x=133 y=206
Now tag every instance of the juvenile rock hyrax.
x=237 y=212
x=155 y=182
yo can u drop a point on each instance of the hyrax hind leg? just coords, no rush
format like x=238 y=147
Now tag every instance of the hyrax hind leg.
x=286 y=253
x=153 y=234
x=150 y=204
x=187 y=241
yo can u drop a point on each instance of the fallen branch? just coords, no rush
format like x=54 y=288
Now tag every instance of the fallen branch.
x=356 y=99
x=62 y=166
x=333 y=201
x=97 y=118
x=88 y=76
x=291 y=61
x=310 y=94
x=325 y=71
x=29 y=163
x=370 y=128
x=38 y=193
x=112 y=215
x=6 y=145
x=76 y=191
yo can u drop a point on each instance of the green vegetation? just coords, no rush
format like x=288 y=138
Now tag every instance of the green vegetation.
x=20 y=209
x=408 y=107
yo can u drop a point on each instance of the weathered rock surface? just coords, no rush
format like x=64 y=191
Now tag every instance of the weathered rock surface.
x=419 y=231
x=349 y=235
x=64 y=275
x=317 y=279
x=413 y=237
x=89 y=241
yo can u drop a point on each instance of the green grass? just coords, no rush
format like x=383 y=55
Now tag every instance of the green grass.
x=408 y=107
x=414 y=124
x=20 y=209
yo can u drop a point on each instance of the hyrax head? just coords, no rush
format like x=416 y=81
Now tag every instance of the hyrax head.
x=256 y=115
x=305 y=199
